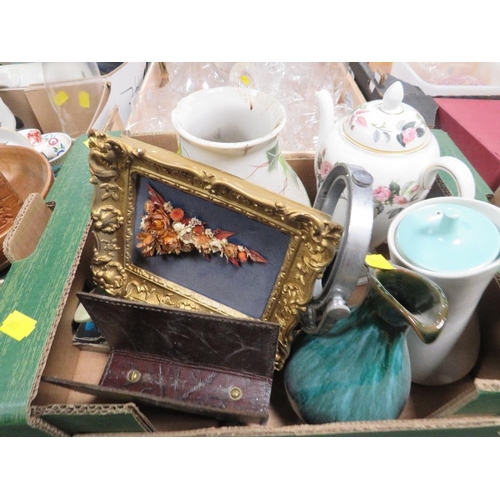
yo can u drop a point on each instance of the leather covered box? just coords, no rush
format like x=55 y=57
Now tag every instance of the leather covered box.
x=44 y=286
x=473 y=125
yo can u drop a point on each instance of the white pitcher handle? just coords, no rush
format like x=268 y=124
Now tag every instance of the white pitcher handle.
x=459 y=171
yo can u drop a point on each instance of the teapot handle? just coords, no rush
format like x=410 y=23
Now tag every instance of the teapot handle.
x=348 y=264
x=457 y=169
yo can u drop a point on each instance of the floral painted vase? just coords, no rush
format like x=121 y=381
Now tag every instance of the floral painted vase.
x=360 y=368
x=391 y=140
x=237 y=130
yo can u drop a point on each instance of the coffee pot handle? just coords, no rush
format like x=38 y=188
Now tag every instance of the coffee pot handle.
x=342 y=276
x=457 y=169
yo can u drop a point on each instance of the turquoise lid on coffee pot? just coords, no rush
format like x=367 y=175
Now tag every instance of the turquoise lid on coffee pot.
x=446 y=237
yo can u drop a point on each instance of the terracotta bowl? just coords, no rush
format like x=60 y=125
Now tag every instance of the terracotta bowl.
x=22 y=171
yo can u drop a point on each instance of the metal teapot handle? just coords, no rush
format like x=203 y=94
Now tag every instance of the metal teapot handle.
x=348 y=264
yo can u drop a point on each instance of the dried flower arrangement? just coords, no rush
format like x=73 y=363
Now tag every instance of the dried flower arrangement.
x=166 y=230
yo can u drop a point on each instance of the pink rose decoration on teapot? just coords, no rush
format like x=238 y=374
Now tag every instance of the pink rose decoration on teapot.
x=391 y=140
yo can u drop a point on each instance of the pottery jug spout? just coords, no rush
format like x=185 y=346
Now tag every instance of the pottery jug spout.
x=326 y=113
x=420 y=302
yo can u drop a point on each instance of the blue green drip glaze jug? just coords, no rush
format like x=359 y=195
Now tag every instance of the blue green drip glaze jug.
x=360 y=368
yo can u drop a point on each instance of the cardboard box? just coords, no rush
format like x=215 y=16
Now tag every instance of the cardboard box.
x=473 y=125
x=58 y=268
x=32 y=104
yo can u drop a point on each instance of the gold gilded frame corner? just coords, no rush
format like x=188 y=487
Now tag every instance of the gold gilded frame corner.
x=114 y=165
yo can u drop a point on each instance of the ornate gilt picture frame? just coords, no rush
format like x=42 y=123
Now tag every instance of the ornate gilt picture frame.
x=285 y=246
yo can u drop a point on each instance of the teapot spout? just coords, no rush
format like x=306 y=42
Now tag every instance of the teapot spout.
x=326 y=113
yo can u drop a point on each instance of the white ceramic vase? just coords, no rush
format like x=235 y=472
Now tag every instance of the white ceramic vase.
x=237 y=130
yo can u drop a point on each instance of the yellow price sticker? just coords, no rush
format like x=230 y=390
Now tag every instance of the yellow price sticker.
x=84 y=99
x=17 y=325
x=60 y=98
x=378 y=261
x=245 y=80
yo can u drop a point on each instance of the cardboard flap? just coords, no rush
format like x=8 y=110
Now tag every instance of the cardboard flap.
x=33 y=109
x=42 y=110
x=495 y=198
x=82 y=418
x=156 y=77
x=48 y=118
x=27 y=229
x=114 y=122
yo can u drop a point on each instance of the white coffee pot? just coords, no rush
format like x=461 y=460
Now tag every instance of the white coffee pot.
x=391 y=140
x=455 y=242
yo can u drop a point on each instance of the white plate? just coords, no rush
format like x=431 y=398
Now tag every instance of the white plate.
x=11 y=137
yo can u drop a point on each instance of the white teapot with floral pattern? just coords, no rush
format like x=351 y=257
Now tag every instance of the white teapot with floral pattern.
x=391 y=140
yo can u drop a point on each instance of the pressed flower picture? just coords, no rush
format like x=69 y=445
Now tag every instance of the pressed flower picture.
x=175 y=233
x=206 y=248
x=168 y=230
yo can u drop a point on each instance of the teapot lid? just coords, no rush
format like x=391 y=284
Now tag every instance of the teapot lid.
x=387 y=125
x=447 y=237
